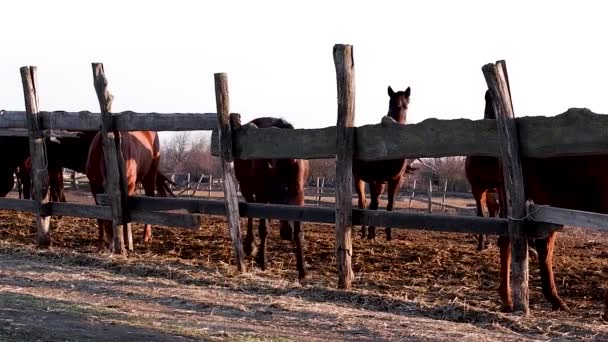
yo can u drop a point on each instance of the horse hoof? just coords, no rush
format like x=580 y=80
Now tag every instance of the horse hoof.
x=286 y=234
x=261 y=262
x=560 y=306
x=250 y=249
x=507 y=308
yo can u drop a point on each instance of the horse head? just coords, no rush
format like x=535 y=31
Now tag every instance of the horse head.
x=398 y=104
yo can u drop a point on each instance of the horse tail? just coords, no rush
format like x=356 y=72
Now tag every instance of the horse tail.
x=162 y=185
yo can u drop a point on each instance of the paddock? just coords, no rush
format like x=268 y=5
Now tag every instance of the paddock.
x=378 y=272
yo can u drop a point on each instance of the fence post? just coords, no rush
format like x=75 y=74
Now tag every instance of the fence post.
x=112 y=152
x=430 y=196
x=345 y=138
x=497 y=80
x=413 y=194
x=74 y=181
x=188 y=187
x=39 y=172
x=198 y=184
x=210 y=185
x=322 y=187
x=445 y=189
x=230 y=183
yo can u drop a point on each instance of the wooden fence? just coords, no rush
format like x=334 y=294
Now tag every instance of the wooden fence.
x=577 y=131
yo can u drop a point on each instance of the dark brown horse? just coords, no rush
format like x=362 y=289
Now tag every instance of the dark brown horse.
x=482 y=173
x=273 y=181
x=377 y=173
x=141 y=152
x=586 y=190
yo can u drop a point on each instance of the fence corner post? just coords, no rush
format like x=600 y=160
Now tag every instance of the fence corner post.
x=39 y=172
x=345 y=144
x=229 y=178
x=497 y=80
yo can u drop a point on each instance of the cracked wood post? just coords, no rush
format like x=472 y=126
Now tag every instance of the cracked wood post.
x=497 y=80
x=229 y=178
x=111 y=150
x=345 y=139
x=39 y=172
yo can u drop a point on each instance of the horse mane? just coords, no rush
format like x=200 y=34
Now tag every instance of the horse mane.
x=267 y=122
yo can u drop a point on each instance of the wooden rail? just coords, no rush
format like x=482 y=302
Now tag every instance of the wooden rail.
x=575 y=132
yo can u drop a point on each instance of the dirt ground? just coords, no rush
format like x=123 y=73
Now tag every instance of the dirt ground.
x=422 y=286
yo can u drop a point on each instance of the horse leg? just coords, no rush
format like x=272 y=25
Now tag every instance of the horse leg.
x=375 y=190
x=360 y=188
x=544 y=248
x=285 y=230
x=249 y=243
x=299 y=239
x=481 y=239
x=393 y=186
x=263 y=232
x=504 y=289
x=149 y=184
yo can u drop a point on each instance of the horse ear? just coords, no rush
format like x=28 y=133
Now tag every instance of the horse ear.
x=390 y=91
x=407 y=92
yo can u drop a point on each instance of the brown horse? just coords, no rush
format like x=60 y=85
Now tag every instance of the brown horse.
x=141 y=152
x=586 y=190
x=377 y=173
x=71 y=152
x=483 y=173
x=273 y=181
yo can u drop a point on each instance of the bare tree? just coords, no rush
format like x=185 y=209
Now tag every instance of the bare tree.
x=174 y=153
x=323 y=168
x=446 y=168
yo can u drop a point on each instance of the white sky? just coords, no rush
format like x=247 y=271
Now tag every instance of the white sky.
x=161 y=55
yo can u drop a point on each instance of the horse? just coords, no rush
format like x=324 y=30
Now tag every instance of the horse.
x=586 y=190
x=483 y=173
x=273 y=181
x=377 y=173
x=69 y=151
x=141 y=152
x=24 y=184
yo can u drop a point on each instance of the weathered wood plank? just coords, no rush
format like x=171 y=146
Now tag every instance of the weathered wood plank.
x=187 y=221
x=123 y=121
x=379 y=218
x=39 y=172
x=230 y=184
x=112 y=176
x=28 y=206
x=496 y=78
x=568 y=217
x=577 y=131
x=345 y=144
x=79 y=210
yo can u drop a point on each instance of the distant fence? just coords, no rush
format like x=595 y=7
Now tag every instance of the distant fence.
x=538 y=137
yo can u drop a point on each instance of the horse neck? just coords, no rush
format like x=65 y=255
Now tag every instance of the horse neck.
x=398 y=114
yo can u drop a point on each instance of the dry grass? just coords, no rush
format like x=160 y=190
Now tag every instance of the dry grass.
x=421 y=285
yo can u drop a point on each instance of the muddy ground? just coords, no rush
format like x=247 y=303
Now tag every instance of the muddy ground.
x=183 y=286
